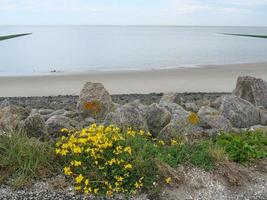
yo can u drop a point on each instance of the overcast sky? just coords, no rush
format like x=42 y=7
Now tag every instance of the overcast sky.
x=134 y=12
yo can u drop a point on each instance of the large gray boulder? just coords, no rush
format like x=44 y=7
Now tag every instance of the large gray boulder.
x=11 y=117
x=213 y=122
x=263 y=117
x=241 y=113
x=252 y=89
x=157 y=118
x=130 y=115
x=94 y=101
x=180 y=125
x=174 y=108
x=34 y=126
x=191 y=106
x=207 y=110
x=55 y=123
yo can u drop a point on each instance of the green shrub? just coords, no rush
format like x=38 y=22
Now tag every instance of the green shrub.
x=195 y=153
x=23 y=158
x=243 y=147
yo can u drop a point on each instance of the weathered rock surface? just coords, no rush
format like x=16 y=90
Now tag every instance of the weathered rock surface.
x=263 y=117
x=191 y=107
x=131 y=115
x=170 y=97
x=11 y=116
x=252 y=89
x=157 y=118
x=34 y=126
x=94 y=101
x=211 y=119
x=206 y=110
x=240 y=112
x=55 y=123
x=45 y=111
x=174 y=108
x=179 y=125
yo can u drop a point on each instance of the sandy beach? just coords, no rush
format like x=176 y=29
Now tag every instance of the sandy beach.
x=213 y=78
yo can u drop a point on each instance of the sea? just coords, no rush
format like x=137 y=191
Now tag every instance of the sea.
x=110 y=48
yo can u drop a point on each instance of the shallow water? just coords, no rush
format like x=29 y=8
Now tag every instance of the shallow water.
x=79 y=48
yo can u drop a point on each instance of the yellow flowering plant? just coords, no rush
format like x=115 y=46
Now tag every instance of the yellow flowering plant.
x=99 y=159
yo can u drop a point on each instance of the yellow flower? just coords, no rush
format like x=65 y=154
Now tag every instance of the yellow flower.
x=58 y=151
x=168 y=180
x=111 y=162
x=67 y=171
x=86 y=182
x=128 y=150
x=128 y=166
x=173 y=142
x=64 y=152
x=119 y=178
x=64 y=130
x=138 y=184
x=77 y=150
x=77 y=188
x=79 y=179
x=96 y=190
x=76 y=163
x=193 y=118
x=161 y=142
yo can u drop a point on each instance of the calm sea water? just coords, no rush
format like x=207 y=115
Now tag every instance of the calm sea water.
x=80 y=48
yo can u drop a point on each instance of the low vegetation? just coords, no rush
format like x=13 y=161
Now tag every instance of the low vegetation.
x=105 y=160
x=23 y=158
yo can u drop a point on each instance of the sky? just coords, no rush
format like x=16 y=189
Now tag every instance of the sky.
x=134 y=12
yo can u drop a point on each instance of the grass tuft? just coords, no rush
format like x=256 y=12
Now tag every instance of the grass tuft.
x=23 y=158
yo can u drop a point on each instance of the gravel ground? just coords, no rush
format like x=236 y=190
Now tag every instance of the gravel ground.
x=69 y=102
x=193 y=184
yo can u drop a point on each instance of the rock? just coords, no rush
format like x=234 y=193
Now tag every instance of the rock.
x=130 y=115
x=252 y=89
x=211 y=119
x=94 y=101
x=240 y=112
x=263 y=117
x=56 y=112
x=45 y=111
x=191 y=107
x=206 y=110
x=11 y=116
x=34 y=126
x=88 y=121
x=5 y=103
x=218 y=122
x=179 y=125
x=157 y=118
x=256 y=127
x=174 y=108
x=71 y=114
x=170 y=98
x=55 y=105
x=55 y=123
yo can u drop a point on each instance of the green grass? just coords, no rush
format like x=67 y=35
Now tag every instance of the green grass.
x=6 y=37
x=244 y=147
x=246 y=35
x=23 y=158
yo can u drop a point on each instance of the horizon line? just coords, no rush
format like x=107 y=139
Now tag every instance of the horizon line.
x=133 y=25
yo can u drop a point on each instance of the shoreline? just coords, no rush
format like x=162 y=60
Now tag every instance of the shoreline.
x=202 y=78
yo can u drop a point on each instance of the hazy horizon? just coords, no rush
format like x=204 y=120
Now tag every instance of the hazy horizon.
x=134 y=12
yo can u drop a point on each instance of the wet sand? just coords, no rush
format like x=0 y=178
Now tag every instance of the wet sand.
x=212 y=78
